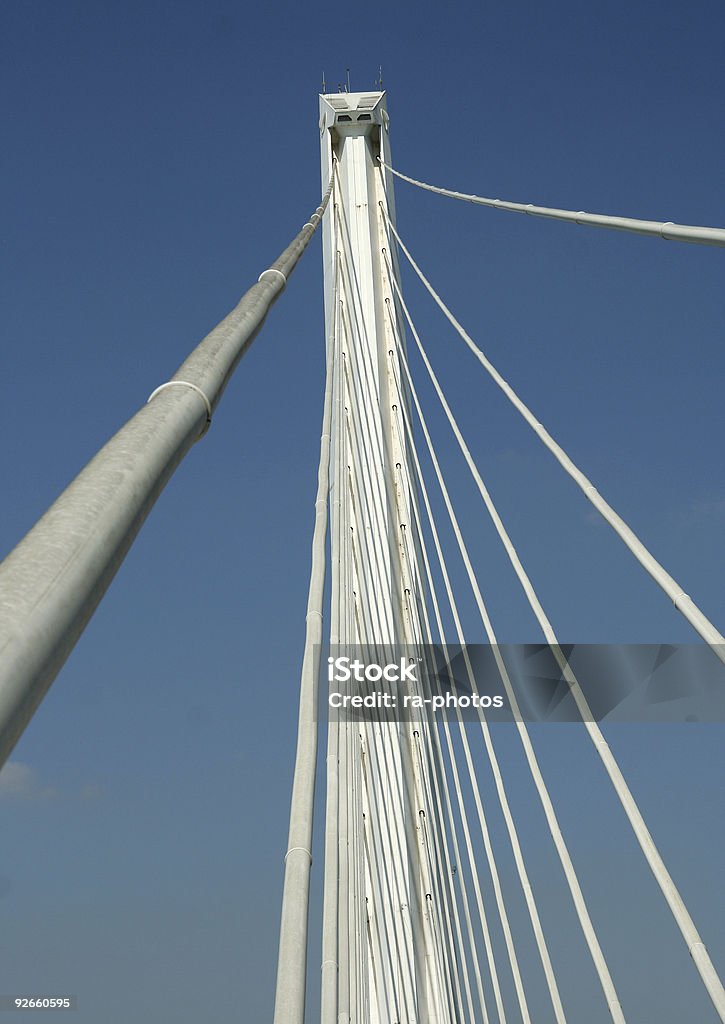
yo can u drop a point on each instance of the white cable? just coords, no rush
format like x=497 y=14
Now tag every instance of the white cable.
x=292 y=956
x=330 y=933
x=513 y=959
x=568 y=867
x=389 y=828
x=495 y=768
x=444 y=868
x=376 y=521
x=370 y=628
x=359 y=495
x=436 y=756
x=658 y=229
x=394 y=929
x=435 y=840
x=682 y=601
x=695 y=945
x=353 y=924
x=590 y=935
x=473 y=867
x=343 y=931
x=441 y=866
x=462 y=811
x=329 y=951
x=368 y=456
x=405 y=580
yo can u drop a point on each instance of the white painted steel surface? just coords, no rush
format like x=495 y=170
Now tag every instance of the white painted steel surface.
x=381 y=786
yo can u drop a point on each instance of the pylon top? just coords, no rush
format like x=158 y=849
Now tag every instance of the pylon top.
x=348 y=111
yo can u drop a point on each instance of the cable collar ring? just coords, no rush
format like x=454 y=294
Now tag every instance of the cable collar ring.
x=194 y=387
x=298 y=849
x=272 y=270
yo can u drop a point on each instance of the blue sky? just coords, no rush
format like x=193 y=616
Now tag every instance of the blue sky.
x=155 y=158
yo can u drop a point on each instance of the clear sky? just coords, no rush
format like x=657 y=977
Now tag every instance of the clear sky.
x=155 y=157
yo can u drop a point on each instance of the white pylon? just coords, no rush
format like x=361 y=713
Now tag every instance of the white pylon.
x=382 y=938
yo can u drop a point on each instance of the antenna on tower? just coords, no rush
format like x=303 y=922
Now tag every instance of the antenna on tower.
x=324 y=84
x=348 y=80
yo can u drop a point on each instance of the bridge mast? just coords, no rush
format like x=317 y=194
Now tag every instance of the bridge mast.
x=378 y=948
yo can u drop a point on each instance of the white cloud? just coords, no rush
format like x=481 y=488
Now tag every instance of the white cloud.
x=19 y=781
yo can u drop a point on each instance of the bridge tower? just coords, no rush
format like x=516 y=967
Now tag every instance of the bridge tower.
x=379 y=948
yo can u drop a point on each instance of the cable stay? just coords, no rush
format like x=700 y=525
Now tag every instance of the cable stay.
x=682 y=601
x=544 y=796
x=595 y=949
x=687 y=927
x=395 y=918
x=657 y=229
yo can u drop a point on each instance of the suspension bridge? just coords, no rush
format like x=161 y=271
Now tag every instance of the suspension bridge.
x=416 y=915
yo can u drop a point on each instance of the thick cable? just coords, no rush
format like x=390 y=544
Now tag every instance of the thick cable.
x=292 y=960
x=329 y=952
x=52 y=582
x=655 y=228
x=186 y=384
